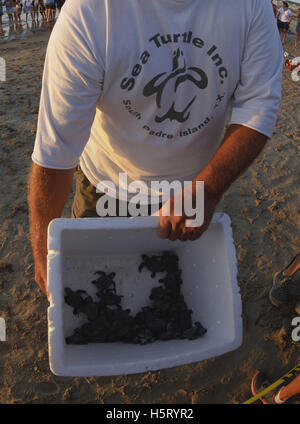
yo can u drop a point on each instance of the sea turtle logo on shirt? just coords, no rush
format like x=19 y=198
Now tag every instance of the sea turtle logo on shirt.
x=176 y=92
x=179 y=75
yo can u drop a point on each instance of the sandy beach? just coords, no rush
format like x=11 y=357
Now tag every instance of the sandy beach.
x=264 y=206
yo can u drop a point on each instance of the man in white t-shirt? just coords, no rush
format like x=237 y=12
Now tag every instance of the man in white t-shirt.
x=144 y=88
x=284 y=16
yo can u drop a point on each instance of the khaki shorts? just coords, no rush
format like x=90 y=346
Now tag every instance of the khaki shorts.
x=85 y=199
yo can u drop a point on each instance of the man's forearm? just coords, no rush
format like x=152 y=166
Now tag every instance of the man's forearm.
x=48 y=192
x=241 y=145
x=239 y=149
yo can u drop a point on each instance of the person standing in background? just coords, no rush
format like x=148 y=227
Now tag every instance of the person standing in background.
x=53 y=10
x=35 y=10
x=28 y=9
x=47 y=5
x=50 y=6
x=42 y=9
x=19 y=8
x=14 y=10
x=9 y=10
x=284 y=16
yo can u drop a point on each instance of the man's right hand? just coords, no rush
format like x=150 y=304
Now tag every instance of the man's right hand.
x=40 y=272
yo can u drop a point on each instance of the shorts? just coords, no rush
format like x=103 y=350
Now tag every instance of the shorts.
x=60 y=3
x=283 y=25
x=50 y=5
x=28 y=9
x=9 y=9
x=298 y=28
x=85 y=199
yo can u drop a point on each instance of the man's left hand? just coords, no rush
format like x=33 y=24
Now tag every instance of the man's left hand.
x=174 y=227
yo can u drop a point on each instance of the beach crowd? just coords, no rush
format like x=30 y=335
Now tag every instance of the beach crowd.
x=16 y=8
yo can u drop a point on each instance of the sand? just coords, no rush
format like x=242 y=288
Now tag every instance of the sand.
x=264 y=205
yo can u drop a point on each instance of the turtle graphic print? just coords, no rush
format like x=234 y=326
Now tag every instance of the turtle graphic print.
x=178 y=76
x=176 y=91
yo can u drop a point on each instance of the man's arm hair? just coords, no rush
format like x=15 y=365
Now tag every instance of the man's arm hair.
x=240 y=147
x=48 y=192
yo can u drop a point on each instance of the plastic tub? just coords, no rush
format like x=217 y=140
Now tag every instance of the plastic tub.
x=79 y=247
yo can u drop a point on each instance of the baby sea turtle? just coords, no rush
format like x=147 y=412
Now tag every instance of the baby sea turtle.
x=74 y=299
x=105 y=281
x=152 y=263
x=167 y=262
x=80 y=303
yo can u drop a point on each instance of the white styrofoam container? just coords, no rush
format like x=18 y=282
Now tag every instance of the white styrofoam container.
x=79 y=247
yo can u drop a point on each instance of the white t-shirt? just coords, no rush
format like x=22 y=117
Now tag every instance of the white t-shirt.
x=144 y=87
x=27 y=3
x=284 y=15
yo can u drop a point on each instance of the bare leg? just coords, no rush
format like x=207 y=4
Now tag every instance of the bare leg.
x=284 y=35
x=291 y=389
x=297 y=39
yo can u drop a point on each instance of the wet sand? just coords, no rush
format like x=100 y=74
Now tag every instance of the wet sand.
x=10 y=31
x=264 y=206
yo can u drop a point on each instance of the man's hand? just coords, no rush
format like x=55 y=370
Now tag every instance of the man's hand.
x=174 y=227
x=48 y=192
x=241 y=145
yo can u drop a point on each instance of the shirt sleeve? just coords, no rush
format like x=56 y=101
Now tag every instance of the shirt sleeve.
x=256 y=99
x=71 y=87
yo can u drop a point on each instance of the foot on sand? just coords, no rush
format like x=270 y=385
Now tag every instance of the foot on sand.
x=260 y=382
x=286 y=284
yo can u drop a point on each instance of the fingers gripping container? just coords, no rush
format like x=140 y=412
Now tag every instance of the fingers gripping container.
x=77 y=248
